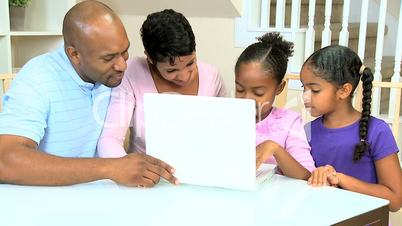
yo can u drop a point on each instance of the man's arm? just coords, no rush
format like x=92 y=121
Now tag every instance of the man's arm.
x=22 y=163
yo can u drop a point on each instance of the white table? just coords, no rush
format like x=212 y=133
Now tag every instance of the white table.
x=279 y=201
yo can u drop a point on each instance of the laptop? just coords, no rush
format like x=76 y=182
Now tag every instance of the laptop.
x=210 y=141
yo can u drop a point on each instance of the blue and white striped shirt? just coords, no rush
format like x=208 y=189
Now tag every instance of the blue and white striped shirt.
x=49 y=103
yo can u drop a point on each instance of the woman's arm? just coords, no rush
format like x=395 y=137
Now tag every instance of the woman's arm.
x=219 y=84
x=118 y=118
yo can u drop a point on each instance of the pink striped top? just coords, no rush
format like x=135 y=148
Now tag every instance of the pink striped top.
x=285 y=127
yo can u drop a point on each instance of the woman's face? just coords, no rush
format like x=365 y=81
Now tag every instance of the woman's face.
x=181 y=72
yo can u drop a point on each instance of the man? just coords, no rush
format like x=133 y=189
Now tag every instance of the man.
x=54 y=111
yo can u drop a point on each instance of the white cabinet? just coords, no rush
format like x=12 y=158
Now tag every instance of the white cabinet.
x=41 y=32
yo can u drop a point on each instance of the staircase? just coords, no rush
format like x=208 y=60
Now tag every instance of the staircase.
x=387 y=67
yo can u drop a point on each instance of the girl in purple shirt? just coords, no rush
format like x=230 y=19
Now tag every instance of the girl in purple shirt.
x=352 y=149
x=280 y=136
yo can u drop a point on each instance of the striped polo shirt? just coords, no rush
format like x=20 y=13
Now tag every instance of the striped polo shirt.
x=49 y=103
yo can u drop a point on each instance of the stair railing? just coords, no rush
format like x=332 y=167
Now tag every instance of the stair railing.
x=261 y=9
x=310 y=33
x=326 y=33
x=344 y=34
x=378 y=57
x=363 y=29
x=396 y=77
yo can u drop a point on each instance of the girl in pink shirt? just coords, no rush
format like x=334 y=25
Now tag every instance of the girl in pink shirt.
x=280 y=133
x=170 y=66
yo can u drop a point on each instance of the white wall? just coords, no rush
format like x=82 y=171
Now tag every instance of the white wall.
x=212 y=22
x=238 y=4
x=214 y=42
x=204 y=8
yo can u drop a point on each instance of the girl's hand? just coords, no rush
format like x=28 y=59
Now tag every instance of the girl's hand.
x=264 y=151
x=324 y=175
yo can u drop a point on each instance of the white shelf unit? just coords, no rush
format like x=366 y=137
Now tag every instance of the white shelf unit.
x=35 y=33
x=41 y=32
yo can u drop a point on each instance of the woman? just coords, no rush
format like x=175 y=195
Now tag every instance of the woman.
x=170 y=66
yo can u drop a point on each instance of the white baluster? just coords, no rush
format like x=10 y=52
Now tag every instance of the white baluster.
x=264 y=19
x=296 y=62
x=295 y=22
x=280 y=14
x=396 y=77
x=363 y=29
x=310 y=33
x=326 y=33
x=344 y=34
x=251 y=15
x=378 y=56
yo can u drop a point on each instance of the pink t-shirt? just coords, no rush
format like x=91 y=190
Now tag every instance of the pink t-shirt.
x=286 y=128
x=126 y=105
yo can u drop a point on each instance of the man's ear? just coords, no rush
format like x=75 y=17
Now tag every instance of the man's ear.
x=344 y=91
x=74 y=55
x=280 y=87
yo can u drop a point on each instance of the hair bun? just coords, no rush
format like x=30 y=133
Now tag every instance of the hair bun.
x=276 y=41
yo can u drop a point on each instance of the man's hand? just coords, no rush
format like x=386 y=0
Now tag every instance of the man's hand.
x=141 y=170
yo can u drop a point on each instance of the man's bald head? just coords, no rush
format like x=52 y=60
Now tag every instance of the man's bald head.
x=85 y=18
x=96 y=43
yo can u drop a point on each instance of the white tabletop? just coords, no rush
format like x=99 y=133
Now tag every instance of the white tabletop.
x=279 y=201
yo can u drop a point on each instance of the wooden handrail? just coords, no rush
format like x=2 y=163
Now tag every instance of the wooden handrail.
x=375 y=83
x=7 y=76
x=5 y=82
x=357 y=103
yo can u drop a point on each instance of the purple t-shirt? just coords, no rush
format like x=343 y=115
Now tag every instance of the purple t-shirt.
x=336 y=147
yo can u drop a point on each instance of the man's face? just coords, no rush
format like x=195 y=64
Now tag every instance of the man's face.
x=103 y=52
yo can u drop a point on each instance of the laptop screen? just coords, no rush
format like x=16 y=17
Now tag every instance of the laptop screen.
x=208 y=140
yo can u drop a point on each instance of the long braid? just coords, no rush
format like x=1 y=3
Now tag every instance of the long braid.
x=363 y=145
x=340 y=65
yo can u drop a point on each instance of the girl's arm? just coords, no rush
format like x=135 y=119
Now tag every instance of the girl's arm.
x=297 y=144
x=389 y=181
x=286 y=163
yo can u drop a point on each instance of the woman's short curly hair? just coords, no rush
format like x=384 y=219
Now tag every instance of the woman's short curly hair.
x=166 y=35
